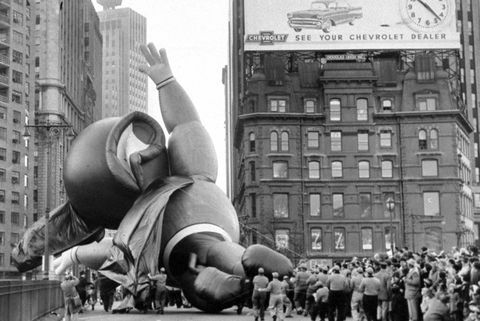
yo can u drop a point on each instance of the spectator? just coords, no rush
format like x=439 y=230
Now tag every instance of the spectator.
x=73 y=303
x=338 y=286
x=412 y=290
x=160 y=290
x=301 y=286
x=370 y=288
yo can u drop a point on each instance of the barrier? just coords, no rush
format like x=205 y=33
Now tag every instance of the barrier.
x=28 y=300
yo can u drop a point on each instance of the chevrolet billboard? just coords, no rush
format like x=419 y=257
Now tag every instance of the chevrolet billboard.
x=350 y=24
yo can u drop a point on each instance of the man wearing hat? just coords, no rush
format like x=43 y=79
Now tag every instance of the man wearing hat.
x=259 y=296
x=160 y=284
x=286 y=290
x=338 y=285
x=320 y=305
x=276 y=297
x=357 y=295
x=301 y=287
x=370 y=287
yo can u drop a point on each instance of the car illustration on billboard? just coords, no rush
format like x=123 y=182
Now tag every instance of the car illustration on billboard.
x=323 y=14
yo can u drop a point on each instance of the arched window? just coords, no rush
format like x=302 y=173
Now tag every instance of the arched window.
x=284 y=139
x=434 y=139
x=422 y=139
x=363 y=169
x=362 y=109
x=335 y=109
x=251 y=138
x=313 y=169
x=337 y=170
x=273 y=141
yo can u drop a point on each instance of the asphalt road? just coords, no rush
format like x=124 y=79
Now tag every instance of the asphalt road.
x=172 y=313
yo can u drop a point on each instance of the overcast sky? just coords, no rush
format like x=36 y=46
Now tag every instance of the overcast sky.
x=195 y=35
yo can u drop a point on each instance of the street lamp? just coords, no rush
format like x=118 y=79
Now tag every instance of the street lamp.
x=50 y=131
x=391 y=207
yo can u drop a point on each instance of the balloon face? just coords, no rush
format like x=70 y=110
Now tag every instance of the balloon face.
x=98 y=175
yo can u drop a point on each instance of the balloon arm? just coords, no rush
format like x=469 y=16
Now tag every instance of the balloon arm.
x=65 y=230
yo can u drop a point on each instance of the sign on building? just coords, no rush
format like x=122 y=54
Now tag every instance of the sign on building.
x=350 y=24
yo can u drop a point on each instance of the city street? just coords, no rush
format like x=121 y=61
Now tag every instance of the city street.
x=171 y=314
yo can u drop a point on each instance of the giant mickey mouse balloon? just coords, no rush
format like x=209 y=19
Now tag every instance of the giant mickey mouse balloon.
x=164 y=203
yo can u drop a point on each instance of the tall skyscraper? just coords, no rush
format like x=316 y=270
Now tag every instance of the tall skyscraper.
x=124 y=86
x=17 y=85
x=343 y=146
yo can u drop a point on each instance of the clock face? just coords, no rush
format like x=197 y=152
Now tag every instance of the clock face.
x=426 y=14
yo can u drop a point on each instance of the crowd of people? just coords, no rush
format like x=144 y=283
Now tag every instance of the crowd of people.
x=405 y=286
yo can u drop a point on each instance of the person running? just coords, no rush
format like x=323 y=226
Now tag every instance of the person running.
x=286 y=289
x=259 y=296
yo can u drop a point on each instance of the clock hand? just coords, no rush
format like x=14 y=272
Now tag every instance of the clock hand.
x=427 y=6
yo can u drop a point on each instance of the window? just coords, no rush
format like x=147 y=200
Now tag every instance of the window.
x=284 y=143
x=387 y=105
x=280 y=205
x=337 y=170
x=433 y=139
x=3 y=175
x=339 y=239
x=14 y=238
x=252 y=171
x=363 y=169
x=17 y=77
x=314 y=169
x=15 y=218
x=309 y=105
x=15 y=177
x=390 y=236
x=15 y=157
x=2 y=217
x=335 y=110
x=251 y=145
x=429 y=167
x=337 y=200
x=314 y=204
x=17 y=57
x=17 y=18
x=3 y=133
x=387 y=196
x=273 y=141
x=2 y=238
x=253 y=205
x=278 y=104
x=385 y=139
x=280 y=169
x=16 y=98
x=362 y=109
x=313 y=139
x=16 y=137
x=362 y=140
x=426 y=102
x=316 y=237
x=2 y=196
x=387 y=169
x=281 y=239
x=367 y=239
x=422 y=139
x=431 y=204
x=3 y=113
x=3 y=154
x=15 y=198
x=17 y=37
x=335 y=141
x=476 y=199
x=365 y=205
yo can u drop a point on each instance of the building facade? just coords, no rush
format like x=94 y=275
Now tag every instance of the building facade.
x=52 y=51
x=16 y=108
x=339 y=157
x=125 y=87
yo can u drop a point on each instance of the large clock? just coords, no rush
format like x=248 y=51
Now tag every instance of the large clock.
x=425 y=15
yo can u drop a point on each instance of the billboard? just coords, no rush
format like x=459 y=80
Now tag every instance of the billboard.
x=350 y=24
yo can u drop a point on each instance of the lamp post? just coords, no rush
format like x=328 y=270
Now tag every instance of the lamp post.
x=391 y=207
x=49 y=131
